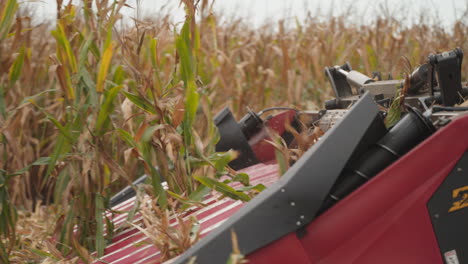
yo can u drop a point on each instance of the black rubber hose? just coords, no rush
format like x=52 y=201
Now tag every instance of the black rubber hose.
x=406 y=134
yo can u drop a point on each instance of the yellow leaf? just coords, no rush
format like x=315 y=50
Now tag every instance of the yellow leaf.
x=104 y=68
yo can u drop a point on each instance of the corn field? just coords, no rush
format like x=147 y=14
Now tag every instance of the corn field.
x=88 y=105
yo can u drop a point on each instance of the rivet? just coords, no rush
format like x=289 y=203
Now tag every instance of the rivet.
x=298 y=223
x=459 y=169
x=293 y=203
x=302 y=217
x=283 y=190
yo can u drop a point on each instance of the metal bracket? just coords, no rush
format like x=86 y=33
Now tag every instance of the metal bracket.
x=338 y=81
x=293 y=201
x=447 y=68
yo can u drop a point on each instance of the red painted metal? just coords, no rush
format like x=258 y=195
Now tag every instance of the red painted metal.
x=263 y=150
x=287 y=249
x=386 y=220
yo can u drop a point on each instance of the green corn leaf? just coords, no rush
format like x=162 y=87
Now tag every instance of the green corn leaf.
x=242 y=178
x=196 y=41
x=196 y=196
x=68 y=224
x=106 y=109
x=185 y=201
x=140 y=102
x=133 y=211
x=141 y=243
x=282 y=161
x=187 y=65
x=191 y=103
x=199 y=193
x=100 y=241
x=119 y=75
x=61 y=147
x=95 y=50
x=187 y=71
x=63 y=130
x=259 y=188
x=63 y=42
x=84 y=50
x=221 y=159
x=154 y=53
x=7 y=18
x=146 y=149
x=223 y=188
x=61 y=184
x=83 y=74
x=148 y=134
x=108 y=41
x=40 y=161
x=110 y=229
x=153 y=43
x=88 y=82
x=16 y=67
x=158 y=188
x=125 y=136
x=394 y=112
x=198 y=162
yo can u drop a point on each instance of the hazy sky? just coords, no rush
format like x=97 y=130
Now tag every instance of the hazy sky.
x=261 y=11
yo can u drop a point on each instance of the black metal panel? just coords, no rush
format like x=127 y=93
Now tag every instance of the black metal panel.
x=293 y=201
x=233 y=138
x=338 y=81
x=448 y=208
